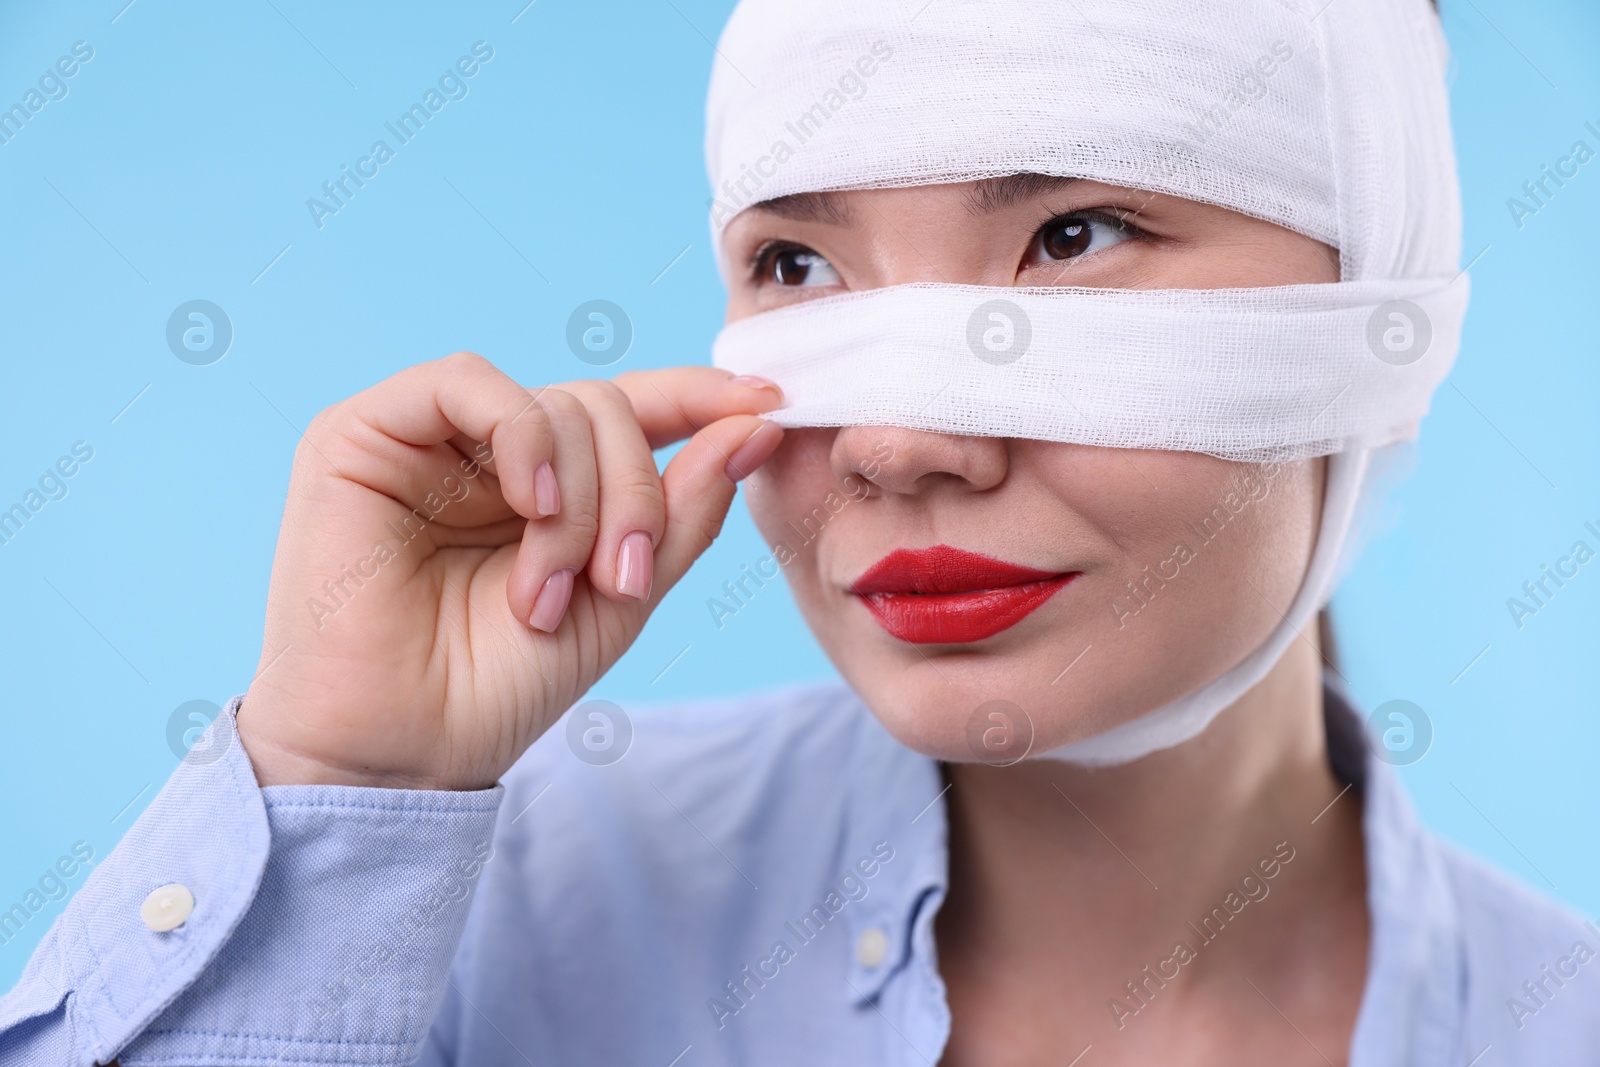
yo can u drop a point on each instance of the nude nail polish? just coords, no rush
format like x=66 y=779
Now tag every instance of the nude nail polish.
x=755 y=450
x=635 y=566
x=755 y=381
x=546 y=491
x=551 y=603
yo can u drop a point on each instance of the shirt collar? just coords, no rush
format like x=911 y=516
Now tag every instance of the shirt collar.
x=1414 y=1005
x=896 y=800
x=1416 y=977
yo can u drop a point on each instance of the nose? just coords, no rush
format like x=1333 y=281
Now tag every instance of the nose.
x=906 y=462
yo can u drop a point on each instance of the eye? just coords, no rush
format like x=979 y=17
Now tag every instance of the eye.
x=1074 y=236
x=794 y=266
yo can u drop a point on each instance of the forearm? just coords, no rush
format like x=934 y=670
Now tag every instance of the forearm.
x=322 y=927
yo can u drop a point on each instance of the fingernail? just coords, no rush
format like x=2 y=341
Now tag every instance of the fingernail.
x=755 y=381
x=546 y=492
x=754 y=452
x=635 y=566
x=551 y=603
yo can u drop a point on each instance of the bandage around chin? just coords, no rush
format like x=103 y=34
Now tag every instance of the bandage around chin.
x=1245 y=374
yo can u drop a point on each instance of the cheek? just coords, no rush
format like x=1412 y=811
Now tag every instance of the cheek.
x=1147 y=501
x=785 y=490
x=1230 y=541
x=1193 y=561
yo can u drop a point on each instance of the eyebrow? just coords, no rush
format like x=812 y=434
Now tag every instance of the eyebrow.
x=808 y=207
x=984 y=198
x=996 y=194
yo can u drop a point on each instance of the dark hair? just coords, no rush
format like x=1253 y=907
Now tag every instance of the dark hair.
x=1327 y=639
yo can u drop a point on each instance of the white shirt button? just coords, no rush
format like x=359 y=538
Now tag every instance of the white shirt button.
x=871 y=947
x=167 y=908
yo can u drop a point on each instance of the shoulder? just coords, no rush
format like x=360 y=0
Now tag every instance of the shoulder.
x=1533 y=966
x=725 y=737
x=765 y=779
x=1504 y=916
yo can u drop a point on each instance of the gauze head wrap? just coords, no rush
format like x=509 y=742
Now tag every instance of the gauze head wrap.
x=1327 y=117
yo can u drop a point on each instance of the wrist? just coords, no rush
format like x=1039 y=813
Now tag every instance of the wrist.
x=277 y=764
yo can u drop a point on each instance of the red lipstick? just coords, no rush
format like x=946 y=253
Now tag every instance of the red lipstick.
x=945 y=595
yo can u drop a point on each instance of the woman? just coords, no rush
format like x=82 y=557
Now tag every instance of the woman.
x=1070 y=458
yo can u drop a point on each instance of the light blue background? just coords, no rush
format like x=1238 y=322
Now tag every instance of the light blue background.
x=178 y=168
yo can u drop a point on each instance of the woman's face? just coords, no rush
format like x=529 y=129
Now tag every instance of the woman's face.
x=1114 y=580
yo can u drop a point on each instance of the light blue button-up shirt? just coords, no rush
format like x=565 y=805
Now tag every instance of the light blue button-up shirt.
x=755 y=882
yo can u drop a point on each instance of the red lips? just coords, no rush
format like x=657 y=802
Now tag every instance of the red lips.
x=944 y=595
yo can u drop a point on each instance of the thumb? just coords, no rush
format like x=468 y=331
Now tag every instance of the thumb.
x=699 y=484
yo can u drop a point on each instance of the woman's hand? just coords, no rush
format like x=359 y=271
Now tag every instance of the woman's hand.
x=462 y=558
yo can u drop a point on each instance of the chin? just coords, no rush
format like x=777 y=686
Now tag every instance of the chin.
x=933 y=727
x=964 y=713
x=1018 y=693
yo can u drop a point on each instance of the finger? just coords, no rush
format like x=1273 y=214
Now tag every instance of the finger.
x=677 y=402
x=633 y=511
x=556 y=547
x=404 y=421
x=699 y=486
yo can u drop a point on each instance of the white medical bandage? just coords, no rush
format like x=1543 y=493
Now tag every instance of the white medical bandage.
x=1328 y=118
x=1244 y=374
